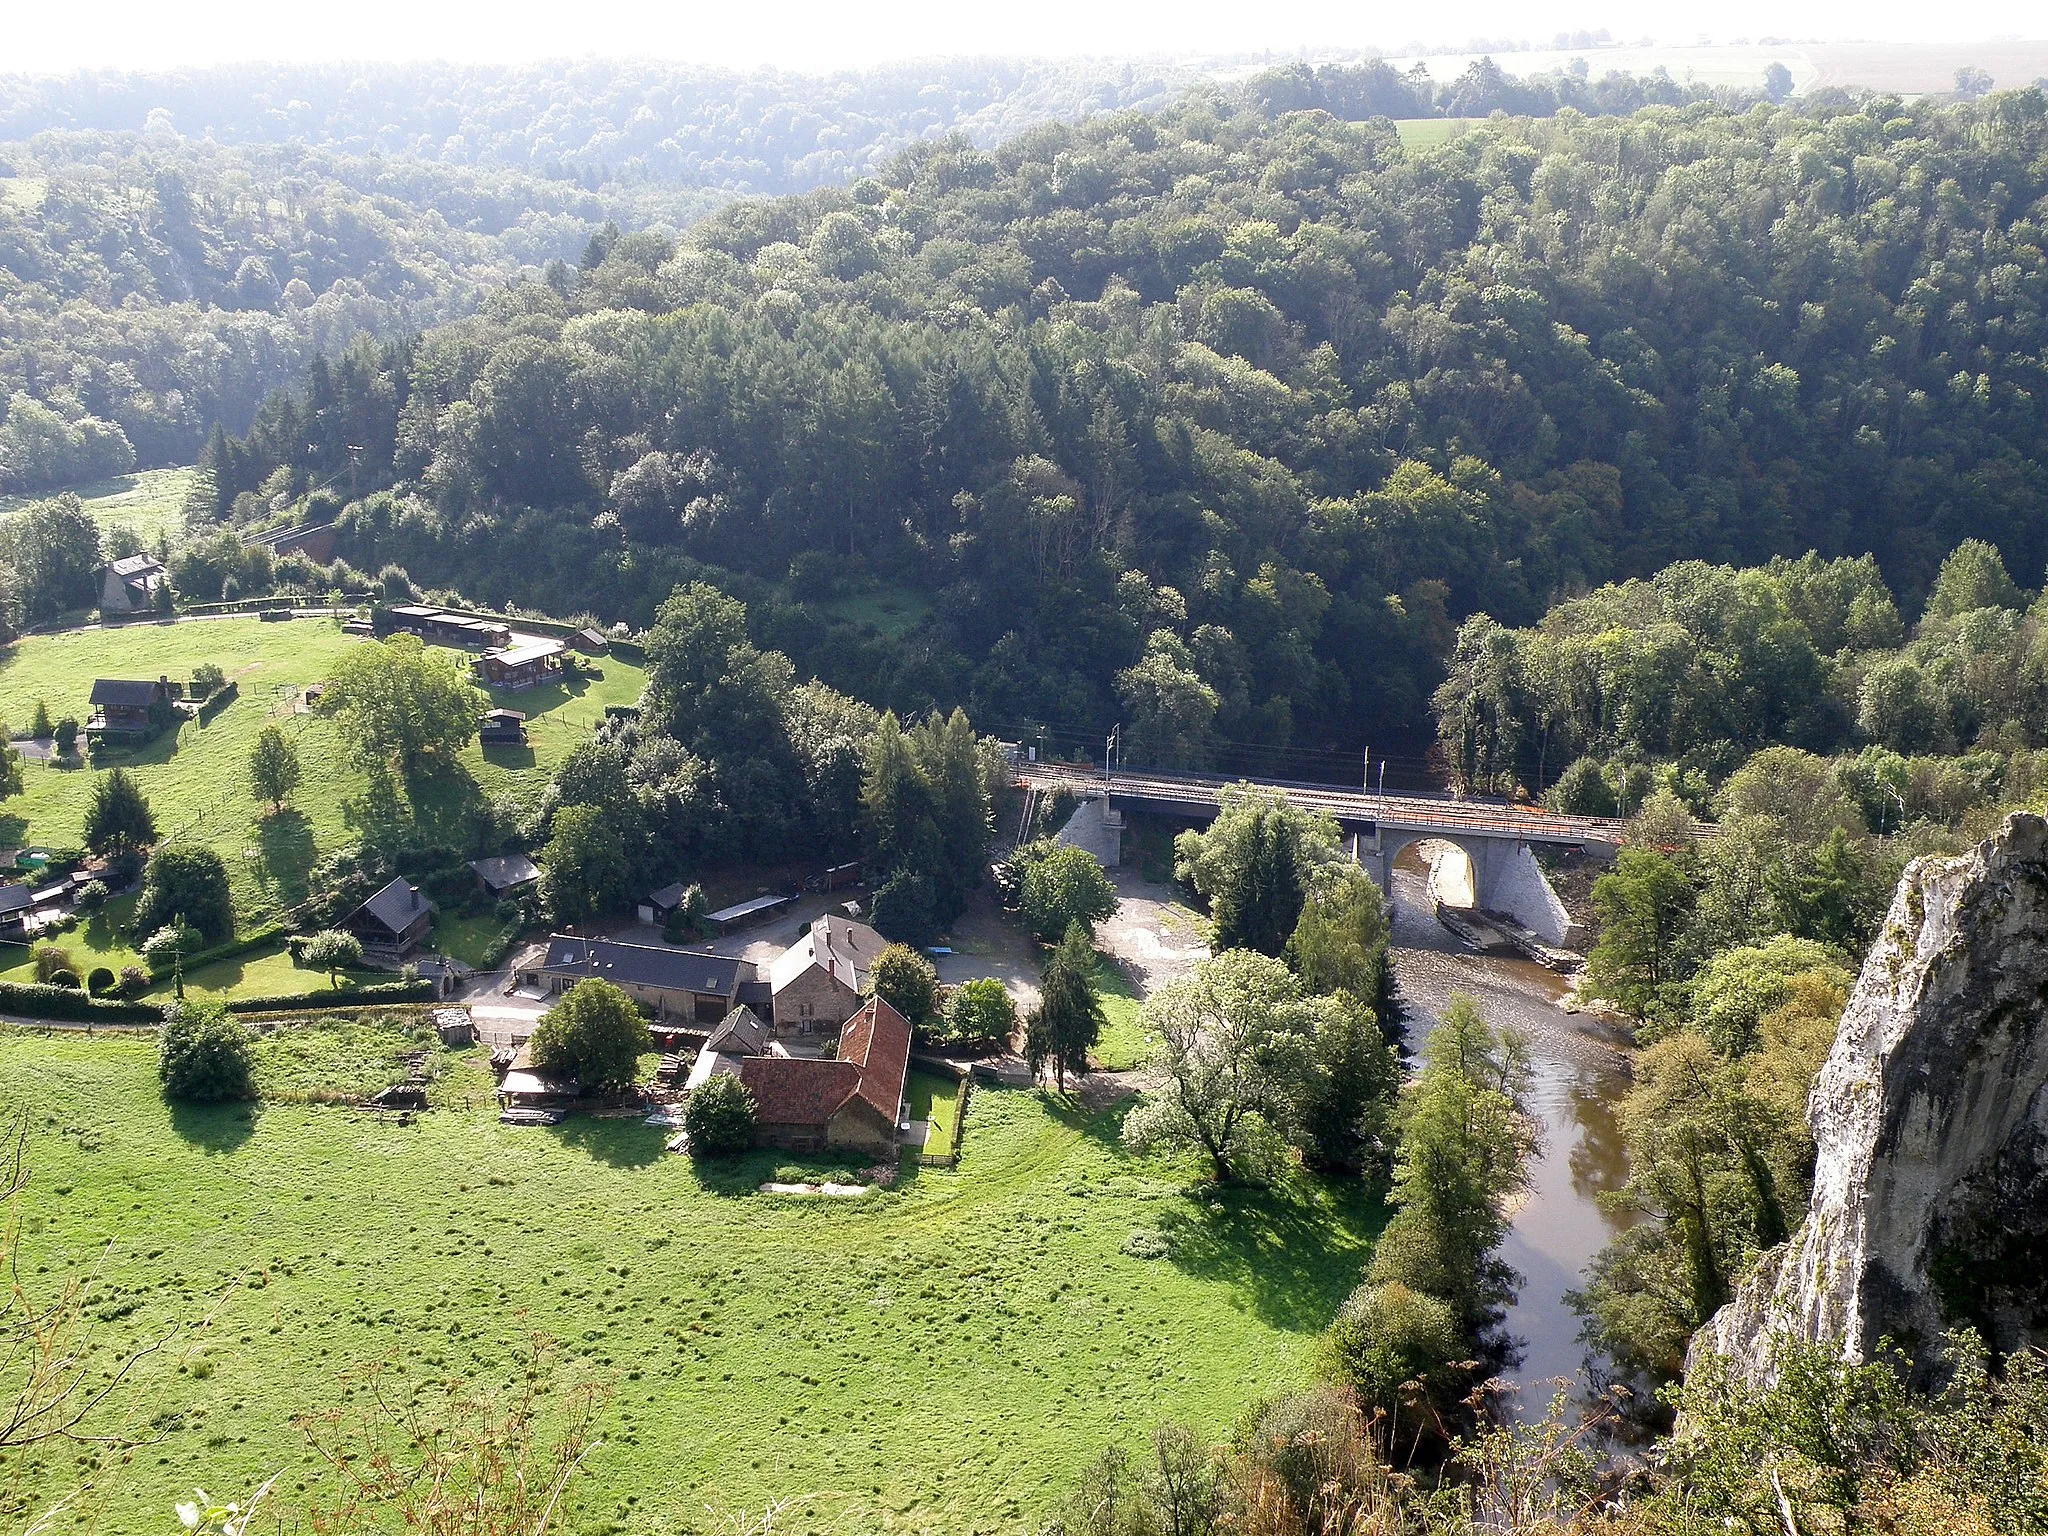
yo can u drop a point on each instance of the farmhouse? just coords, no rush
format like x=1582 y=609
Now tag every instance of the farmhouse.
x=128 y=585
x=526 y=662
x=817 y=981
x=503 y=875
x=126 y=710
x=672 y=982
x=392 y=924
x=855 y=1101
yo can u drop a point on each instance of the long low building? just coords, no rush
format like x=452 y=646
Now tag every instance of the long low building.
x=675 y=983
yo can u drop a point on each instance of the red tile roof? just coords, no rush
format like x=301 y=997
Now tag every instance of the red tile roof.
x=877 y=1039
x=873 y=1062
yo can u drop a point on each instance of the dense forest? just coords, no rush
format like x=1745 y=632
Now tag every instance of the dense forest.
x=1220 y=421
x=152 y=286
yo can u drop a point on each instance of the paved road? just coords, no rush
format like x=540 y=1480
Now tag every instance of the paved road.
x=1200 y=792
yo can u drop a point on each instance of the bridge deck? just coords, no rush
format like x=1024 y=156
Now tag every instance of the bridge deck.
x=1479 y=818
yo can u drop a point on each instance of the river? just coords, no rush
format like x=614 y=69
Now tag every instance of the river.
x=1579 y=1070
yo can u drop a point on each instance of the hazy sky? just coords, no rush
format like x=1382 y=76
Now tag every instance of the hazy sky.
x=828 y=34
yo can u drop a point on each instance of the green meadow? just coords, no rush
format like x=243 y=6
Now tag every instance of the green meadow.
x=197 y=779
x=150 y=501
x=943 y=1356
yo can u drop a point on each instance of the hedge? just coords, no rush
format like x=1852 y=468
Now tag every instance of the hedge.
x=418 y=990
x=40 y=1002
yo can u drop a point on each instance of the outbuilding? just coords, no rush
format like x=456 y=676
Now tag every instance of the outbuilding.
x=505 y=874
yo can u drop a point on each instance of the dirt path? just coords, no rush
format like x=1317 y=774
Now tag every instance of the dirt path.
x=1154 y=935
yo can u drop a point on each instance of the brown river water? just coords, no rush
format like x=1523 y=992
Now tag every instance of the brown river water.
x=1580 y=1068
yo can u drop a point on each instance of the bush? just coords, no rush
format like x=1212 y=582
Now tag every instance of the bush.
x=207 y=680
x=92 y=896
x=50 y=959
x=684 y=922
x=1386 y=1336
x=331 y=951
x=905 y=980
x=204 y=1055
x=719 y=1119
x=40 y=1002
x=68 y=980
x=134 y=981
x=160 y=946
x=100 y=982
x=595 y=1036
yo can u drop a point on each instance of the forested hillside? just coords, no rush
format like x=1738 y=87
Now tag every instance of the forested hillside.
x=151 y=286
x=1219 y=421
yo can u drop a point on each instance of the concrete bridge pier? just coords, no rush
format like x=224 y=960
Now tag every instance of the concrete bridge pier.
x=1505 y=875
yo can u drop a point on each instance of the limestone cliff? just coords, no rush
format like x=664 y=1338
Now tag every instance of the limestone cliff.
x=1930 y=1119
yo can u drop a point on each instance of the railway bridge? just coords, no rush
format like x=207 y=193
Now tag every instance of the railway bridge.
x=1495 y=836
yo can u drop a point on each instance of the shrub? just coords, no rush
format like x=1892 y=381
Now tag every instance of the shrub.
x=719 y=1118
x=160 y=946
x=50 y=959
x=204 y=1055
x=331 y=951
x=207 y=680
x=92 y=895
x=594 y=1035
x=905 y=980
x=134 y=981
x=688 y=916
x=1387 y=1335
x=65 y=737
x=100 y=982
x=1146 y=1243
x=68 y=980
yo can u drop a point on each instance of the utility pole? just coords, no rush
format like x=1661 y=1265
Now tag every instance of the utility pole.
x=1365 y=783
x=1109 y=747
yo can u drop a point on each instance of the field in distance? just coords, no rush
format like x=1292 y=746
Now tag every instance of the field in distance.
x=943 y=1357
x=150 y=501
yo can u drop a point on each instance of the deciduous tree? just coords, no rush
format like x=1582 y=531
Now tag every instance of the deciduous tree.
x=594 y=1037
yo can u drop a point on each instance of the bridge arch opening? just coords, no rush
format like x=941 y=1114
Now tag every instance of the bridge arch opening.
x=1446 y=869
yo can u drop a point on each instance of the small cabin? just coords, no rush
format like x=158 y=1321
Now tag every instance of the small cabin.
x=502 y=728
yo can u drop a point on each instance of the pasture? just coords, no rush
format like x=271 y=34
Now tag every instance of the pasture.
x=150 y=501
x=940 y=1357
x=197 y=778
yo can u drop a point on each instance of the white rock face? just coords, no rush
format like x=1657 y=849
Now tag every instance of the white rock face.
x=1930 y=1119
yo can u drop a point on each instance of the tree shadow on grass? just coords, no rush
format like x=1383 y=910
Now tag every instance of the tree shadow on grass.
x=617 y=1143
x=286 y=839
x=508 y=756
x=1295 y=1251
x=219 y=1128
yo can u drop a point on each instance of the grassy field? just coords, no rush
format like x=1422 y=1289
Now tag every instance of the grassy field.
x=151 y=501
x=266 y=971
x=1125 y=1042
x=1419 y=133
x=197 y=780
x=942 y=1357
x=934 y=1099
x=890 y=610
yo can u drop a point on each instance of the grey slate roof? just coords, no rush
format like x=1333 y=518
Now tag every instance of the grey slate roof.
x=14 y=898
x=645 y=965
x=124 y=693
x=397 y=906
x=135 y=565
x=506 y=870
x=667 y=896
x=740 y=1034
